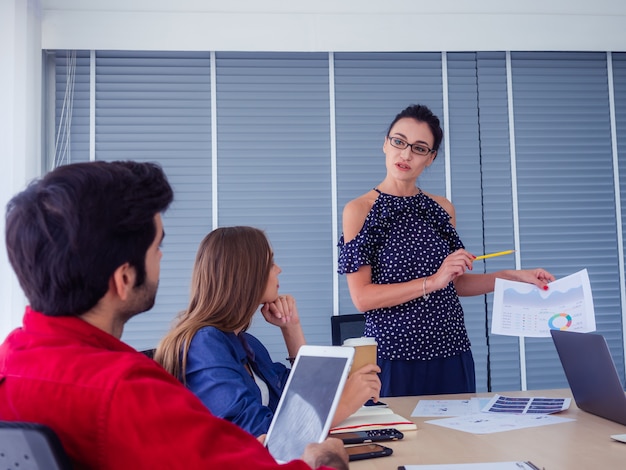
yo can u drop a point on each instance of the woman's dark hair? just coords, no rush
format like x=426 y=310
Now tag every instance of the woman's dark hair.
x=67 y=232
x=421 y=113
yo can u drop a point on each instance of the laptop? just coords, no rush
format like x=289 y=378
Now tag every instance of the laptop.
x=309 y=400
x=591 y=374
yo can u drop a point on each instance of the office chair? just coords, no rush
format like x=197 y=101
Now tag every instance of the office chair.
x=31 y=446
x=149 y=352
x=346 y=326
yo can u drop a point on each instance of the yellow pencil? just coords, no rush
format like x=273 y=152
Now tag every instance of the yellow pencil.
x=491 y=255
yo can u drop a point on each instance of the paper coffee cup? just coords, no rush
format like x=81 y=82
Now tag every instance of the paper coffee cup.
x=364 y=351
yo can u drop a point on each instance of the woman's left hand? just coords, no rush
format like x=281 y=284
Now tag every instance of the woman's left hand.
x=539 y=277
x=281 y=312
x=362 y=384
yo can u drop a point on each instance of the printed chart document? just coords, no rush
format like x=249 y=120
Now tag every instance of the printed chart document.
x=522 y=309
x=502 y=413
x=496 y=404
x=449 y=407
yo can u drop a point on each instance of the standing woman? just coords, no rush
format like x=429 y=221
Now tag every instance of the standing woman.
x=406 y=268
x=211 y=353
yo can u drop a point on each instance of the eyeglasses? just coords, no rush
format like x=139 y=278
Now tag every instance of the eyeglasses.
x=418 y=149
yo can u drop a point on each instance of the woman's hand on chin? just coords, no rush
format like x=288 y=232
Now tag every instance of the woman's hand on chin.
x=281 y=312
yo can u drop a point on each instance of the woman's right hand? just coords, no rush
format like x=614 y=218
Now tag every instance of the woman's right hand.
x=453 y=266
x=281 y=312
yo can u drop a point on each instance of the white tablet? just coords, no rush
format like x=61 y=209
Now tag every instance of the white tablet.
x=309 y=400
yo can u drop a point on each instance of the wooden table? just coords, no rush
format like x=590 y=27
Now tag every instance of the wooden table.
x=581 y=444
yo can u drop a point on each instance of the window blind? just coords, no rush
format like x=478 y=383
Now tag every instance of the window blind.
x=274 y=170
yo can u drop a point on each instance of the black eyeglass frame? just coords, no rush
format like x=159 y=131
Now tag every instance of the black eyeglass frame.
x=406 y=144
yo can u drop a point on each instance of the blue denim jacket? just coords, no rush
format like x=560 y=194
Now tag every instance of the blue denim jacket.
x=216 y=373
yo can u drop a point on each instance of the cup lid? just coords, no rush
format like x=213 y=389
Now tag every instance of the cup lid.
x=362 y=341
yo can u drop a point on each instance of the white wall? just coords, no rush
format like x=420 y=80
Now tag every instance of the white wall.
x=335 y=25
x=20 y=128
x=27 y=26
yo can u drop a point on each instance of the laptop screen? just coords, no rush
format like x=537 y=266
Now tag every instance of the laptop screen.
x=309 y=400
x=591 y=374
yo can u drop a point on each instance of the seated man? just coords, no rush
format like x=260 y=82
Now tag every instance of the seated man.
x=84 y=242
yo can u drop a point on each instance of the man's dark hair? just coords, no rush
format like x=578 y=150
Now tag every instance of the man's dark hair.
x=421 y=113
x=68 y=231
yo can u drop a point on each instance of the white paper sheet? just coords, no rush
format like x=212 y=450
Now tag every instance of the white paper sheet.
x=475 y=466
x=486 y=423
x=522 y=309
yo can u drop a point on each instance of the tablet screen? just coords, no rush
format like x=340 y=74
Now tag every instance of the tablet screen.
x=307 y=405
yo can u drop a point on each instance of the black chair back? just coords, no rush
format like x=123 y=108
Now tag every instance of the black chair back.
x=149 y=352
x=346 y=326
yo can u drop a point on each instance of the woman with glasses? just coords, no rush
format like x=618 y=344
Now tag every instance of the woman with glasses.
x=406 y=268
x=210 y=351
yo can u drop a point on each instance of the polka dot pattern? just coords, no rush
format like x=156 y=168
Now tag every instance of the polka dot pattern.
x=405 y=238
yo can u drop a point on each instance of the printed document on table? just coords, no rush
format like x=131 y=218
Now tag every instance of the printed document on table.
x=526 y=405
x=486 y=423
x=474 y=466
x=522 y=309
x=449 y=407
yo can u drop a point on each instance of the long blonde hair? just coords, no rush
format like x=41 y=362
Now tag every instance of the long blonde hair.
x=230 y=275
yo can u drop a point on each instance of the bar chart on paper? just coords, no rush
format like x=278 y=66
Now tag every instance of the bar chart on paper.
x=522 y=309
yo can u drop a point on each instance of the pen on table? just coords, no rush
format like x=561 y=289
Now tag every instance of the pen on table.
x=532 y=465
x=491 y=255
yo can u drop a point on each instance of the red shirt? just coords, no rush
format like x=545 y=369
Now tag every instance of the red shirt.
x=111 y=406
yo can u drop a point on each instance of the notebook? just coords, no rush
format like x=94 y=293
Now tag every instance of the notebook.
x=368 y=418
x=591 y=374
x=309 y=400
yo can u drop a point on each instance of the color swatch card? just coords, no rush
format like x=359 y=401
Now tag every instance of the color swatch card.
x=526 y=405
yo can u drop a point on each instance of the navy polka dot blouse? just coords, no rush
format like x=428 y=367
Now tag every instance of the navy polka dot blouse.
x=406 y=238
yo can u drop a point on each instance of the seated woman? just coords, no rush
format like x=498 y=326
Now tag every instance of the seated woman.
x=211 y=353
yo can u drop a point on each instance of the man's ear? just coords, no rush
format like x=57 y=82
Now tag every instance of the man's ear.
x=122 y=280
